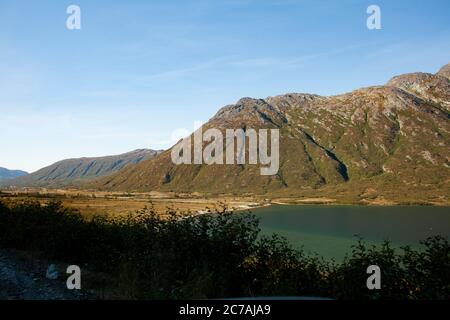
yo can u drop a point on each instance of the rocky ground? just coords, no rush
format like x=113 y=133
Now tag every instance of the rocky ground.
x=22 y=278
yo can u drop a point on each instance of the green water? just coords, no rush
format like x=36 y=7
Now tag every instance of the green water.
x=330 y=230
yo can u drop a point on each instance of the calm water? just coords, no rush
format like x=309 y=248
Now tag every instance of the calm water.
x=330 y=230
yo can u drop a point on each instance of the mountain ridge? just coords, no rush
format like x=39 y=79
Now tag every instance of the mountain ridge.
x=6 y=174
x=379 y=136
x=70 y=171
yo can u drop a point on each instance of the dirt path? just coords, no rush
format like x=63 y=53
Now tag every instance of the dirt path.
x=26 y=280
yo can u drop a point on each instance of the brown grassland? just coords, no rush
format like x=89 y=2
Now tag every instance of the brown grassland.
x=113 y=204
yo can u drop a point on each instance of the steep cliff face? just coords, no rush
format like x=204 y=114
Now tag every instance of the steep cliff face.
x=393 y=137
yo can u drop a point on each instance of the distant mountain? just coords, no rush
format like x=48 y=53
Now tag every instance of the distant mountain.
x=6 y=174
x=388 y=141
x=71 y=171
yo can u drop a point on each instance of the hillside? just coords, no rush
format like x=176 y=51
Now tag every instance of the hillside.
x=372 y=144
x=6 y=174
x=70 y=171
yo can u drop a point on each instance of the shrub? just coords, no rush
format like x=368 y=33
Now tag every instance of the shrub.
x=215 y=255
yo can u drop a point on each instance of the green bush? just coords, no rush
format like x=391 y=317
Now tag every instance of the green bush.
x=215 y=255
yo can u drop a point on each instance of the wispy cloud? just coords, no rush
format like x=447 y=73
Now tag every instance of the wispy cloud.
x=407 y=53
x=15 y=122
x=387 y=49
x=300 y=60
x=176 y=73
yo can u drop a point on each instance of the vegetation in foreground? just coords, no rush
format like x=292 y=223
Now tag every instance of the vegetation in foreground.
x=213 y=256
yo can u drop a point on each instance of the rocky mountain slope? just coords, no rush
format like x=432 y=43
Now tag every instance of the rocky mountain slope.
x=6 y=174
x=376 y=143
x=71 y=171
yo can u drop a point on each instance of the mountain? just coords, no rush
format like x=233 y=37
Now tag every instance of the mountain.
x=70 y=171
x=445 y=71
x=6 y=174
x=372 y=144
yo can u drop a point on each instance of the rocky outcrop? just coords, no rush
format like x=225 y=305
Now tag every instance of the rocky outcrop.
x=445 y=71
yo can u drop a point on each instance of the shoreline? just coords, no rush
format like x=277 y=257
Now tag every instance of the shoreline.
x=335 y=202
x=90 y=203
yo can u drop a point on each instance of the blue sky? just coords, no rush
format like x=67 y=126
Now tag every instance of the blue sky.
x=139 y=70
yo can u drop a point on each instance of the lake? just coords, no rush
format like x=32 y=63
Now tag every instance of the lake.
x=330 y=230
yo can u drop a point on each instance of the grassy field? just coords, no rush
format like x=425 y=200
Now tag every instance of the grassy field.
x=119 y=204
x=91 y=203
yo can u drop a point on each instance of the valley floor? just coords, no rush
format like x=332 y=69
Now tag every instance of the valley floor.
x=91 y=203
x=117 y=204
